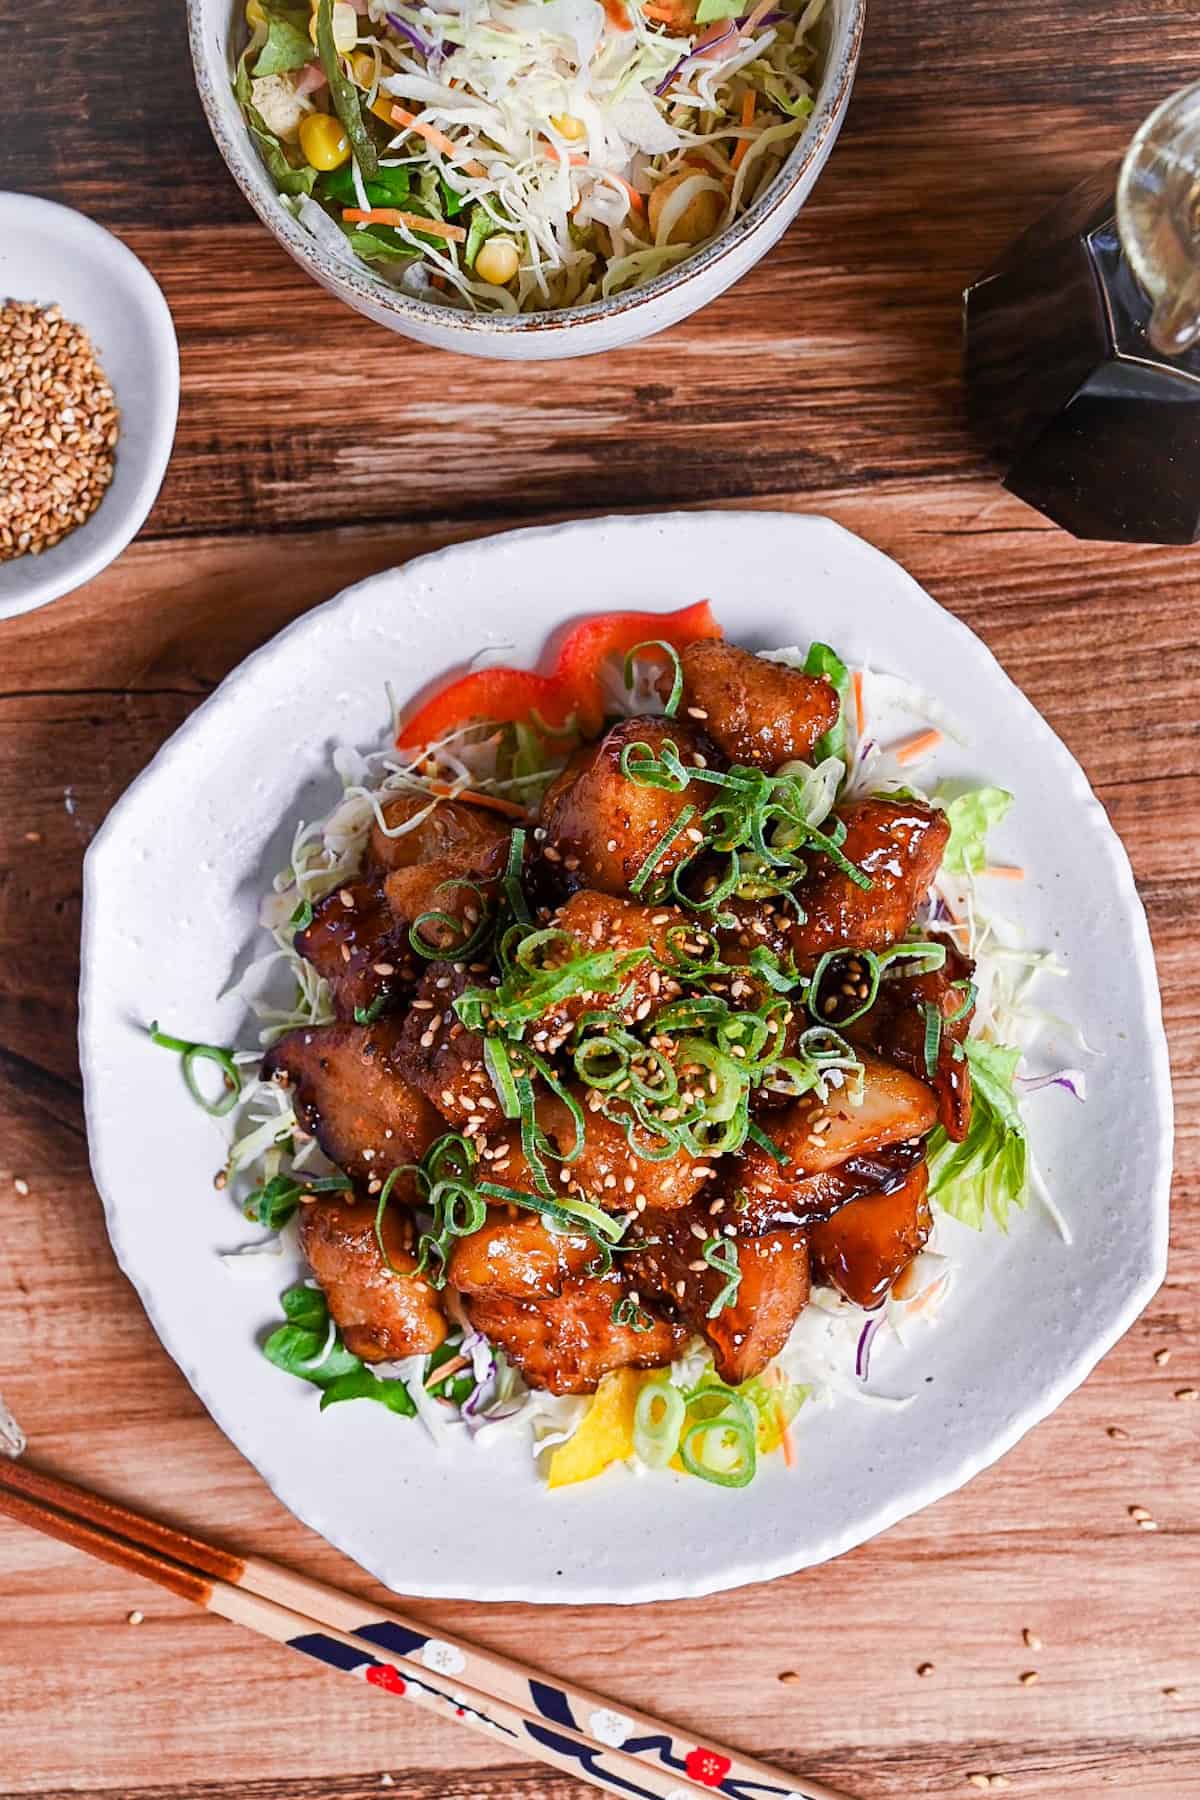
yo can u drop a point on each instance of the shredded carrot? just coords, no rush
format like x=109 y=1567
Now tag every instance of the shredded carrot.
x=636 y=200
x=785 y=1438
x=388 y=215
x=743 y=144
x=917 y=746
x=437 y=138
x=508 y=807
x=575 y=161
x=860 y=717
x=666 y=15
x=1003 y=871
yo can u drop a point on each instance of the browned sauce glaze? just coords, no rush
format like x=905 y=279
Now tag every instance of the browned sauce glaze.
x=755 y=711
x=841 y=1195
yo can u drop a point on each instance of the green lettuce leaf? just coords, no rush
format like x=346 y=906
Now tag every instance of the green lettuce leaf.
x=297 y=1349
x=286 y=179
x=989 y=1170
x=972 y=814
x=708 y=10
x=821 y=660
x=288 y=46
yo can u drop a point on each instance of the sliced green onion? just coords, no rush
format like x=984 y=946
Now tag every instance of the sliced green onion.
x=462 y=944
x=575 y=1215
x=933 y=1037
x=627 y=1312
x=660 y=849
x=302 y=918
x=640 y=765
x=514 y=893
x=273 y=1204
x=720 y=1445
x=496 y=1062
x=969 y=998
x=676 y=694
x=367 y=1015
x=385 y=1195
x=831 y=959
x=758 y=1136
x=657 y=1418
x=194 y=1053
x=720 y=1253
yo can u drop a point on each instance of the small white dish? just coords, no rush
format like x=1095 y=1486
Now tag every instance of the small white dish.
x=171 y=890
x=54 y=256
x=216 y=27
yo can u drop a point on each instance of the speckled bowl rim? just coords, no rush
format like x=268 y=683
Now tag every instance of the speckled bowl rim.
x=844 y=50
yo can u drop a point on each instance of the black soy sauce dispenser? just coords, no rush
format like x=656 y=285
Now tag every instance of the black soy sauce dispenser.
x=1082 y=346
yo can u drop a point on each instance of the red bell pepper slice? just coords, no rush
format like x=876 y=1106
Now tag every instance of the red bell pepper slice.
x=504 y=695
x=589 y=645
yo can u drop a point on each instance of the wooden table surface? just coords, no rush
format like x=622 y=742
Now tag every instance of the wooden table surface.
x=314 y=448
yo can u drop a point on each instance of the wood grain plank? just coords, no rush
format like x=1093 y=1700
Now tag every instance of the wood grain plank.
x=313 y=450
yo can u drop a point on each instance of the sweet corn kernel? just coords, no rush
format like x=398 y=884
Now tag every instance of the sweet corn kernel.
x=362 y=67
x=497 y=261
x=344 y=21
x=323 y=141
x=382 y=106
x=568 y=126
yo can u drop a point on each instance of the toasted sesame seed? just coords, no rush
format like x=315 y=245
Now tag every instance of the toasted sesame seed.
x=422 y=1005
x=346 y=897
x=134 y=1618
x=924 y=1668
x=1170 y=1692
x=345 y=953
x=383 y=968
x=21 y=1185
x=1028 y=1678
x=1162 y=1358
x=681 y=1289
x=59 y=424
x=1031 y=1639
x=1187 y=1393
x=789 y=1677
x=979 y=1781
x=427 y=1038
x=1139 y=1513
x=551 y=854
x=611 y=845
x=1114 y=1431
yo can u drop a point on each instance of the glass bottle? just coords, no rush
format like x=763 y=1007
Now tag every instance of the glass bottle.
x=1082 y=345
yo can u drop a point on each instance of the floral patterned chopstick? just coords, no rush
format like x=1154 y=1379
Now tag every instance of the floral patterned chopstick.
x=570 y=1728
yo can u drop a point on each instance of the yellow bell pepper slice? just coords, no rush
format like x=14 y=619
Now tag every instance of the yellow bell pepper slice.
x=606 y=1434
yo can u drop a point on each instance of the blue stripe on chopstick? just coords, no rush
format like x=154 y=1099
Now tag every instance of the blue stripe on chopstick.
x=589 y=1757
x=396 y=1638
x=328 y=1650
x=552 y=1703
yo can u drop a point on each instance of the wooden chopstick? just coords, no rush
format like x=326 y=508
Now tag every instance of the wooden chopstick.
x=625 y=1753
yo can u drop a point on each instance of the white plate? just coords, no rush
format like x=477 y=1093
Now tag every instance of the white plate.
x=50 y=254
x=171 y=888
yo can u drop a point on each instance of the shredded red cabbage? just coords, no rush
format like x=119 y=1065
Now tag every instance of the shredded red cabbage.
x=1074 y=1080
x=866 y=1337
x=410 y=32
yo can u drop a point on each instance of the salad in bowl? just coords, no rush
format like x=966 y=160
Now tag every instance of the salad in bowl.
x=625 y=1035
x=505 y=157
